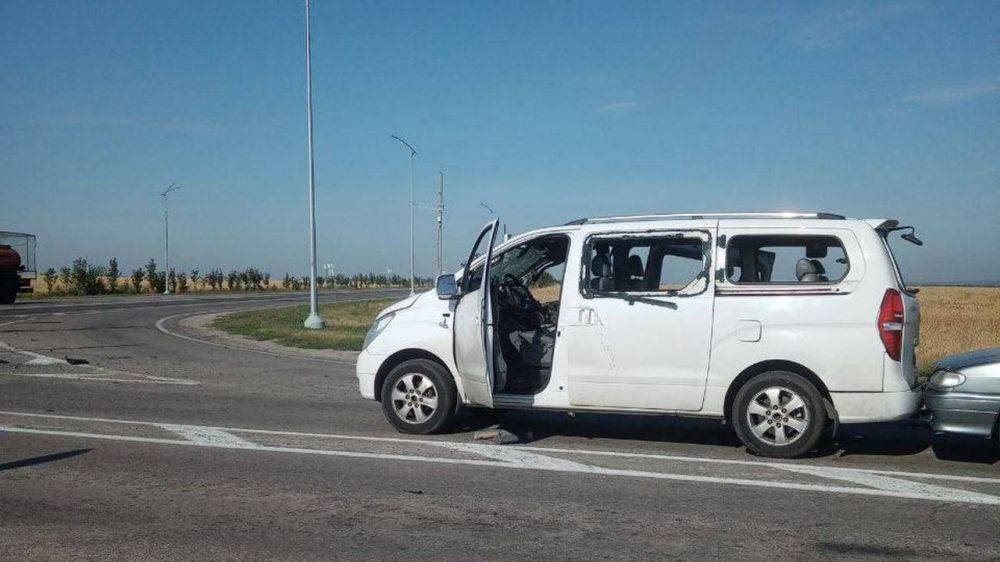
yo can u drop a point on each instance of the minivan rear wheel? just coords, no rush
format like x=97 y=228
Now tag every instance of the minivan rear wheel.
x=418 y=396
x=779 y=414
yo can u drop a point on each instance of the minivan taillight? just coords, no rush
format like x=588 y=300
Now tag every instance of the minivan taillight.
x=890 y=323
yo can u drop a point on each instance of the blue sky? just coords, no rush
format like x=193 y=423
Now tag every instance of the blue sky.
x=546 y=111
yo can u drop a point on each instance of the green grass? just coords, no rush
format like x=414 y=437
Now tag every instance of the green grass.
x=347 y=323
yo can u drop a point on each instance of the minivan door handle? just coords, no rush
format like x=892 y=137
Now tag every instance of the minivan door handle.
x=587 y=316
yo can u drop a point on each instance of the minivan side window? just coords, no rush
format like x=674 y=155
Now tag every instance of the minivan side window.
x=668 y=264
x=785 y=259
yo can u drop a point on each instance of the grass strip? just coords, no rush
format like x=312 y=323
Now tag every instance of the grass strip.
x=346 y=324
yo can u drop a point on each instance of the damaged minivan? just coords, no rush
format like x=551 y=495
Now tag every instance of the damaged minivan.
x=779 y=323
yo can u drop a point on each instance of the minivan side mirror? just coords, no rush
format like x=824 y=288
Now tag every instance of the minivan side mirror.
x=447 y=287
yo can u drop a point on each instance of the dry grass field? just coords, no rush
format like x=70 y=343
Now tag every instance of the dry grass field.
x=954 y=320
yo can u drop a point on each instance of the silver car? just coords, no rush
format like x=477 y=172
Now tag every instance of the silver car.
x=963 y=394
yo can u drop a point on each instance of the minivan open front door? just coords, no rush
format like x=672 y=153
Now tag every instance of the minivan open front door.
x=473 y=323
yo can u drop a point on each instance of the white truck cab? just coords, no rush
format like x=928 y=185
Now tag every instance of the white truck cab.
x=776 y=322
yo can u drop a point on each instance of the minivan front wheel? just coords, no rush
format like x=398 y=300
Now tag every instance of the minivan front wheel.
x=779 y=414
x=418 y=396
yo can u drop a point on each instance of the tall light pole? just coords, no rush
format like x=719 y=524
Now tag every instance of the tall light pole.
x=440 y=221
x=313 y=321
x=166 y=238
x=413 y=153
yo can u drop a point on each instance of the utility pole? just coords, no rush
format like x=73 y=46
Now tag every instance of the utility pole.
x=413 y=153
x=166 y=238
x=313 y=321
x=440 y=221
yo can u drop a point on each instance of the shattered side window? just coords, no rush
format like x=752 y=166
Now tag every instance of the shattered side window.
x=669 y=263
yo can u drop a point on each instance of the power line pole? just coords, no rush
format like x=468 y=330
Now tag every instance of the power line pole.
x=313 y=321
x=440 y=221
x=166 y=239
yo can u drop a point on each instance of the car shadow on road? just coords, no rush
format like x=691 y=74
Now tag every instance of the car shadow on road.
x=537 y=426
x=43 y=459
x=873 y=440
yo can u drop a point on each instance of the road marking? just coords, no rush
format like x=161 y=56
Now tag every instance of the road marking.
x=982 y=499
x=86 y=377
x=530 y=448
x=526 y=458
x=207 y=436
x=892 y=484
x=517 y=456
x=778 y=465
x=103 y=374
x=36 y=358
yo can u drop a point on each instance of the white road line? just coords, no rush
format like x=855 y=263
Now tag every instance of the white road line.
x=960 y=498
x=518 y=456
x=103 y=374
x=891 y=484
x=87 y=377
x=779 y=465
x=36 y=358
x=528 y=448
x=208 y=436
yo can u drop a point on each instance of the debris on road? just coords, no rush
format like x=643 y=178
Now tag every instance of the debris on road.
x=495 y=435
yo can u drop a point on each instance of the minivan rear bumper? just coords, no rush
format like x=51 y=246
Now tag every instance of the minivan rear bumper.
x=867 y=407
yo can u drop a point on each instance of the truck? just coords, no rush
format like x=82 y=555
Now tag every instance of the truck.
x=17 y=265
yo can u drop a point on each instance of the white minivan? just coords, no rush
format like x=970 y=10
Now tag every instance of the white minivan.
x=779 y=323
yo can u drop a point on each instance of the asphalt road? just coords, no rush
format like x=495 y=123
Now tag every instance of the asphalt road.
x=161 y=446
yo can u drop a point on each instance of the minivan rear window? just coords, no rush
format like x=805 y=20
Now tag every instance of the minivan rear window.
x=786 y=259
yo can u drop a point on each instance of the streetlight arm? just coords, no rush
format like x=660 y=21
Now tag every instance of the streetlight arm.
x=413 y=151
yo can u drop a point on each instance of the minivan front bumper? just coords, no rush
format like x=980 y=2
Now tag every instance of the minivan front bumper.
x=867 y=407
x=366 y=369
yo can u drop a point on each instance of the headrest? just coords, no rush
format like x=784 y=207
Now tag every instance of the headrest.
x=634 y=266
x=602 y=284
x=806 y=266
x=600 y=267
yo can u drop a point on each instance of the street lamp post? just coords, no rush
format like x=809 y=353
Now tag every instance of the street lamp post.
x=440 y=224
x=313 y=321
x=166 y=238
x=413 y=153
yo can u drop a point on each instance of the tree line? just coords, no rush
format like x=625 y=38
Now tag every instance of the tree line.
x=85 y=278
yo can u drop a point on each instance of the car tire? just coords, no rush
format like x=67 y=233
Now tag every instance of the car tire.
x=779 y=414
x=418 y=396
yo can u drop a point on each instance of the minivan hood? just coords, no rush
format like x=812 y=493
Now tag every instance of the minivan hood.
x=971 y=359
x=401 y=305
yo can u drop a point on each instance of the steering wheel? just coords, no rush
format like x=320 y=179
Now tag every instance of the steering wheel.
x=525 y=309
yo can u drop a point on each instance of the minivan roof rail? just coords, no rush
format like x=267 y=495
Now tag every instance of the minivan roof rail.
x=695 y=216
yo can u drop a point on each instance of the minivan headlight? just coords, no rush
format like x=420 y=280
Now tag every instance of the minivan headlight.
x=376 y=329
x=944 y=380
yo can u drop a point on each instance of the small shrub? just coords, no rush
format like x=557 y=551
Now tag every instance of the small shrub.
x=66 y=278
x=113 y=274
x=137 y=276
x=50 y=277
x=86 y=278
x=152 y=276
